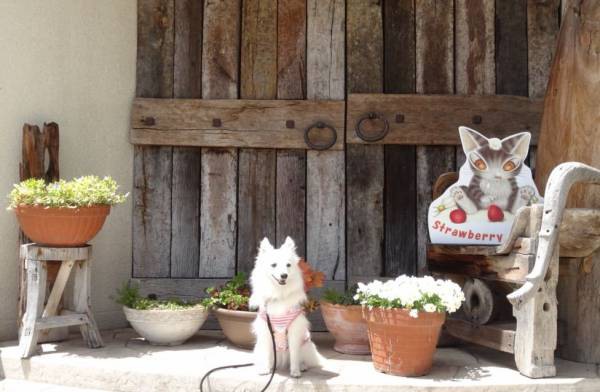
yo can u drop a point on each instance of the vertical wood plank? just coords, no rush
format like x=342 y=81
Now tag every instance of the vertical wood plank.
x=220 y=75
x=364 y=163
x=543 y=18
x=291 y=84
x=153 y=165
x=257 y=168
x=185 y=195
x=325 y=198
x=474 y=56
x=435 y=75
x=511 y=47
x=400 y=194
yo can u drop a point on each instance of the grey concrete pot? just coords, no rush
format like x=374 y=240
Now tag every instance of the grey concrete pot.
x=166 y=327
x=237 y=326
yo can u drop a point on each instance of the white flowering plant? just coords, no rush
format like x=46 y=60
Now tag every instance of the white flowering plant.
x=413 y=293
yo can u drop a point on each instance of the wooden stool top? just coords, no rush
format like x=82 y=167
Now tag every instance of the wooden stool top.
x=47 y=253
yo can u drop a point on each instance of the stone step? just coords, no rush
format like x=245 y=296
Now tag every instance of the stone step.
x=128 y=363
x=30 y=386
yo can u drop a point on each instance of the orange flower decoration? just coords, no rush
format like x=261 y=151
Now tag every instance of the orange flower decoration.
x=312 y=278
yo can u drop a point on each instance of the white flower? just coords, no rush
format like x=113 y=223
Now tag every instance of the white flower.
x=430 y=308
x=414 y=313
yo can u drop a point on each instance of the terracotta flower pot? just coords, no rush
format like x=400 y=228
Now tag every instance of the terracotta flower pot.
x=61 y=226
x=402 y=345
x=346 y=324
x=237 y=326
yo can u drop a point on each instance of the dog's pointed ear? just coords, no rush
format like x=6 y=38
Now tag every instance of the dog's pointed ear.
x=289 y=244
x=265 y=246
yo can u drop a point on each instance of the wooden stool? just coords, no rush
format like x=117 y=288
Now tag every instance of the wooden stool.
x=36 y=317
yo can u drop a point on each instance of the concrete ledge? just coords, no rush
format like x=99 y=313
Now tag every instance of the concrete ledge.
x=128 y=363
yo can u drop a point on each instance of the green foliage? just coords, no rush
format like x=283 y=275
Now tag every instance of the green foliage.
x=79 y=192
x=233 y=295
x=346 y=298
x=129 y=296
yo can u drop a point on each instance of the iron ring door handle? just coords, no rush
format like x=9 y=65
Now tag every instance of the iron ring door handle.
x=376 y=137
x=320 y=146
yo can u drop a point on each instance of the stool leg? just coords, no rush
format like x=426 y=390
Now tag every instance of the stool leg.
x=81 y=302
x=36 y=292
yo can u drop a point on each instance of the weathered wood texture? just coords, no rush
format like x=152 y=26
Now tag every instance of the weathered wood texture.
x=434 y=75
x=325 y=171
x=290 y=203
x=257 y=168
x=400 y=198
x=218 y=177
x=235 y=123
x=511 y=47
x=153 y=166
x=364 y=164
x=571 y=122
x=434 y=119
x=499 y=336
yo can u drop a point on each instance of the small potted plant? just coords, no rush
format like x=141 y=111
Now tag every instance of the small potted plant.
x=230 y=305
x=168 y=322
x=343 y=317
x=64 y=213
x=404 y=318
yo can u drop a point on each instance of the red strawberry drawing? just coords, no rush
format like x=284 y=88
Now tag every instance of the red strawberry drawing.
x=495 y=213
x=458 y=216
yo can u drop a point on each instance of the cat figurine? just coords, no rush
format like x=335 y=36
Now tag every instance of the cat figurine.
x=495 y=165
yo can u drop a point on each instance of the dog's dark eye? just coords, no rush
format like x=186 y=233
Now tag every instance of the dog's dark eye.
x=289 y=265
x=274 y=265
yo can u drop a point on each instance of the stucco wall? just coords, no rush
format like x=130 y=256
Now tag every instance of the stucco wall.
x=73 y=62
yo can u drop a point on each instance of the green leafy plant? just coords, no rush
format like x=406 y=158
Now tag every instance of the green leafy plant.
x=341 y=298
x=79 y=192
x=233 y=295
x=129 y=296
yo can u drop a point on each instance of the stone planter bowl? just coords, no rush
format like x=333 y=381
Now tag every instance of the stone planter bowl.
x=346 y=324
x=166 y=327
x=61 y=226
x=237 y=326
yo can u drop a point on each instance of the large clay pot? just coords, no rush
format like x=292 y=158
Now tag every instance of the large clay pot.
x=400 y=344
x=237 y=326
x=61 y=226
x=162 y=327
x=346 y=324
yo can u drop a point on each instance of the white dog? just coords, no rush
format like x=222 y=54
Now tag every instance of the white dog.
x=278 y=290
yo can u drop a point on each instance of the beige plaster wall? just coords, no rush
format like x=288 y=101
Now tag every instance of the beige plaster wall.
x=73 y=62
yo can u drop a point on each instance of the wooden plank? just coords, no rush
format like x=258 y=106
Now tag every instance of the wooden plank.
x=152 y=167
x=496 y=336
x=290 y=203
x=364 y=164
x=257 y=168
x=435 y=75
x=325 y=181
x=67 y=320
x=58 y=288
x=400 y=195
x=434 y=119
x=234 y=123
x=40 y=252
x=185 y=193
x=511 y=47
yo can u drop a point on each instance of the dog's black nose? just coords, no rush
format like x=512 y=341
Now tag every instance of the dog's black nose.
x=284 y=276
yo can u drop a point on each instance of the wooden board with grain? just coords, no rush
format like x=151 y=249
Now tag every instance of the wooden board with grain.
x=400 y=171
x=434 y=119
x=325 y=172
x=152 y=168
x=511 y=47
x=257 y=167
x=218 y=177
x=434 y=75
x=364 y=163
x=290 y=202
x=235 y=122
x=185 y=192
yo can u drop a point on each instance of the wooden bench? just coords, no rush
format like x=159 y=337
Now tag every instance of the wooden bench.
x=520 y=276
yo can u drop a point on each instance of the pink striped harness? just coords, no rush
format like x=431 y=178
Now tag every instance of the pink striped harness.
x=281 y=324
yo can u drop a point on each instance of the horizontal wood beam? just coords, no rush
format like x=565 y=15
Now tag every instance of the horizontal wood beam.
x=237 y=123
x=497 y=336
x=434 y=119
